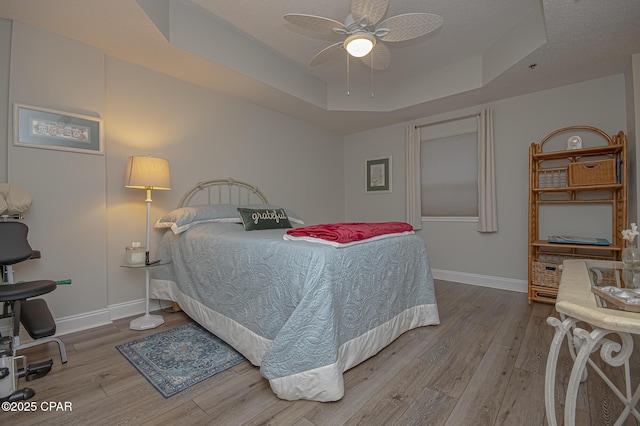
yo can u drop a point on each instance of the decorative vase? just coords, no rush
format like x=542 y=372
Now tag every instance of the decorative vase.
x=631 y=262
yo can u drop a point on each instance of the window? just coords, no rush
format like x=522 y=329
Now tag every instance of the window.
x=449 y=177
x=459 y=171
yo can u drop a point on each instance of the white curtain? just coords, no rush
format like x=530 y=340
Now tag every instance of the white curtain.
x=487 y=211
x=414 y=202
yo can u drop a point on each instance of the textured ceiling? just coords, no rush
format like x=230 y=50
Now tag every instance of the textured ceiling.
x=245 y=49
x=469 y=27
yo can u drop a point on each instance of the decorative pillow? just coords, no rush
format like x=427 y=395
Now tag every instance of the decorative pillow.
x=181 y=219
x=291 y=215
x=255 y=219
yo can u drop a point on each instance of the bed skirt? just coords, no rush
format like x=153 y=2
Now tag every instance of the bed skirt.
x=321 y=384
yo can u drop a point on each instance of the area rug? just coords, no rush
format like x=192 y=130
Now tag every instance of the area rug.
x=176 y=359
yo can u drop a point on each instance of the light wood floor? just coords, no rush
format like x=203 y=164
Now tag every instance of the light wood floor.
x=483 y=365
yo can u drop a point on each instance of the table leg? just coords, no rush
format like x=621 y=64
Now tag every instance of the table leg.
x=563 y=328
x=614 y=354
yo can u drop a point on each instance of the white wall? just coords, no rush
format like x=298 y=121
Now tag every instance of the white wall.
x=206 y=136
x=518 y=121
x=67 y=221
x=632 y=79
x=5 y=55
x=83 y=217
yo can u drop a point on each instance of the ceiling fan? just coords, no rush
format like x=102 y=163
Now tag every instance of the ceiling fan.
x=363 y=31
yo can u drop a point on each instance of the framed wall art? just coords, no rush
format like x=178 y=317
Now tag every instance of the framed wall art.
x=378 y=175
x=36 y=127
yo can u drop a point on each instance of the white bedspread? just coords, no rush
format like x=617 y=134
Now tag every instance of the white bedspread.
x=303 y=312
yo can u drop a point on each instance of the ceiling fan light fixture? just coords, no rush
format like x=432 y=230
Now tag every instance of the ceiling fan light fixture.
x=360 y=44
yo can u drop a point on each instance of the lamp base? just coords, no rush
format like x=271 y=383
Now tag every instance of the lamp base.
x=146 y=322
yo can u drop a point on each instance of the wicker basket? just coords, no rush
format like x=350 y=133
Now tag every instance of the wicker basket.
x=548 y=273
x=545 y=274
x=604 y=277
x=601 y=172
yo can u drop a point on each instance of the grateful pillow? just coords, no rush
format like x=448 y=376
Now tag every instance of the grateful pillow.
x=291 y=215
x=256 y=219
x=181 y=219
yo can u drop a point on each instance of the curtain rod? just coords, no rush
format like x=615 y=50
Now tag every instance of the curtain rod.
x=447 y=120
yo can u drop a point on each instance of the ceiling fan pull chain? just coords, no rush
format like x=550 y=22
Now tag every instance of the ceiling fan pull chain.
x=372 y=95
x=348 y=92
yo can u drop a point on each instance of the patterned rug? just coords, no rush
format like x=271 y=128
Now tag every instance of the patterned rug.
x=175 y=359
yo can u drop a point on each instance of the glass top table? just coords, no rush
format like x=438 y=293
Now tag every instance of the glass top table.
x=615 y=286
x=147 y=321
x=144 y=265
x=587 y=322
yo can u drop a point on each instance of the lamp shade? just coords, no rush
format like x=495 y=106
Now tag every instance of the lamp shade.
x=148 y=172
x=359 y=44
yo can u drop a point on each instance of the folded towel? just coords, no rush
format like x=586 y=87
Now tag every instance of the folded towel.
x=13 y=199
x=347 y=232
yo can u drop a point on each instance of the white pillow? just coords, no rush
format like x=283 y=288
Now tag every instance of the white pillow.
x=181 y=219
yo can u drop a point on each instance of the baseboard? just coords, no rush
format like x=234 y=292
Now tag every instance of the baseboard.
x=81 y=322
x=88 y=320
x=481 y=280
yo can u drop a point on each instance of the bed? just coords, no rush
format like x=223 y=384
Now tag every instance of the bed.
x=303 y=312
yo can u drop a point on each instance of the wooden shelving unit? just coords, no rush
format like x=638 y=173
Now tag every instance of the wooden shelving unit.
x=586 y=176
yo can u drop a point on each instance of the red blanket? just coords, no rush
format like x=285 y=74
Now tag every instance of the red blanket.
x=351 y=231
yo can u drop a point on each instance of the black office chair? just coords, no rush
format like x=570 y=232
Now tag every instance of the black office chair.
x=17 y=298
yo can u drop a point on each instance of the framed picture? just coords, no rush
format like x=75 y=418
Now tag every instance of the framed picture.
x=49 y=129
x=378 y=175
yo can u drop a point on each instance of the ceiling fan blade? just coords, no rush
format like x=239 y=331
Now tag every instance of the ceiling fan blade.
x=408 y=26
x=316 y=24
x=379 y=58
x=328 y=54
x=374 y=10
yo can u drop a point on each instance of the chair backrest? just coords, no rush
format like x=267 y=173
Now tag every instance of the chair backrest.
x=14 y=246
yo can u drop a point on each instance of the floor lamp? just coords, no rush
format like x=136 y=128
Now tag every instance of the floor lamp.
x=147 y=173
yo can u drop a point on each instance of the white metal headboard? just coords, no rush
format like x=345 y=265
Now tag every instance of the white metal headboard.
x=221 y=191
